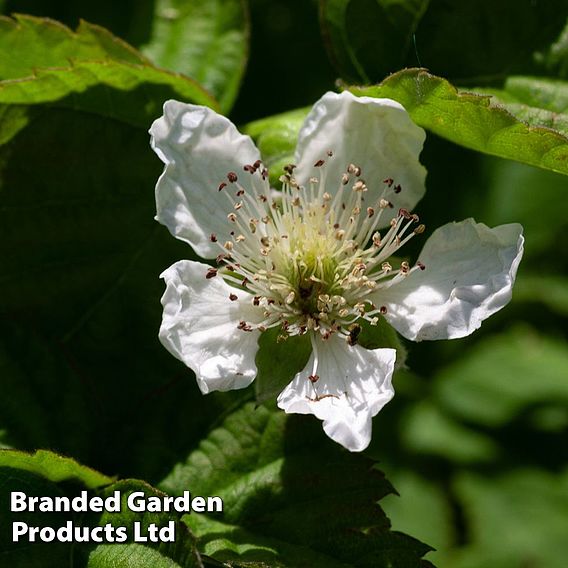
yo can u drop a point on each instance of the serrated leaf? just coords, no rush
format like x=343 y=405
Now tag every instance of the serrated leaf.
x=42 y=42
x=206 y=40
x=130 y=93
x=53 y=467
x=473 y=120
x=368 y=39
x=88 y=70
x=281 y=480
x=46 y=474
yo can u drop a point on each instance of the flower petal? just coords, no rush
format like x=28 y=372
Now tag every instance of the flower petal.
x=199 y=148
x=469 y=274
x=375 y=134
x=199 y=327
x=354 y=384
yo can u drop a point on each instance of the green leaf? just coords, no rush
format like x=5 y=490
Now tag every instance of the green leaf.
x=426 y=429
x=503 y=376
x=276 y=138
x=41 y=42
x=46 y=474
x=206 y=40
x=53 y=467
x=516 y=518
x=88 y=70
x=277 y=362
x=79 y=300
x=285 y=487
x=473 y=120
x=368 y=39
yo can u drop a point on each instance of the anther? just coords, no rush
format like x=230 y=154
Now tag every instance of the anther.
x=213 y=237
x=388 y=181
x=419 y=229
x=222 y=185
x=232 y=217
x=383 y=310
x=344 y=179
x=211 y=273
x=404 y=267
x=319 y=163
x=329 y=153
x=397 y=188
x=421 y=266
x=370 y=212
x=232 y=177
x=233 y=297
x=228 y=245
x=313 y=378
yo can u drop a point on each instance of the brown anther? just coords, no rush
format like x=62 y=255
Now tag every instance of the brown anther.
x=220 y=258
x=243 y=325
x=222 y=185
x=265 y=241
x=319 y=163
x=263 y=198
x=388 y=181
x=404 y=213
x=213 y=237
x=397 y=188
x=256 y=165
x=370 y=212
x=421 y=266
x=336 y=225
x=256 y=301
x=233 y=297
x=404 y=267
x=248 y=168
x=329 y=153
x=232 y=177
x=211 y=273
x=289 y=168
x=313 y=378
x=232 y=217
x=240 y=192
x=383 y=310
x=264 y=174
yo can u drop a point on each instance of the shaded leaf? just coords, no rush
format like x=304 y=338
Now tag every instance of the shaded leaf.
x=281 y=480
x=504 y=375
x=205 y=40
x=368 y=39
x=278 y=362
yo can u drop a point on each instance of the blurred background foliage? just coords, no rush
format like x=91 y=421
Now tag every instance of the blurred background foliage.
x=475 y=441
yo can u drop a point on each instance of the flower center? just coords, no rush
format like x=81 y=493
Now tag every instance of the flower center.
x=312 y=259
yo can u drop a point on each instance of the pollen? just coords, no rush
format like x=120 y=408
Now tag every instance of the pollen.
x=311 y=256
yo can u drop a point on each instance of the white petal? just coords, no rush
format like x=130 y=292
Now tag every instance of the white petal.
x=199 y=148
x=469 y=275
x=375 y=134
x=354 y=384
x=199 y=327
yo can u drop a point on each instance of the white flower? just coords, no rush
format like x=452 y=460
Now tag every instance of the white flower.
x=312 y=259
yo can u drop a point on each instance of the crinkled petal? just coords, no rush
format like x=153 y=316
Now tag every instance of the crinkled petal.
x=199 y=148
x=469 y=274
x=199 y=327
x=375 y=134
x=354 y=384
